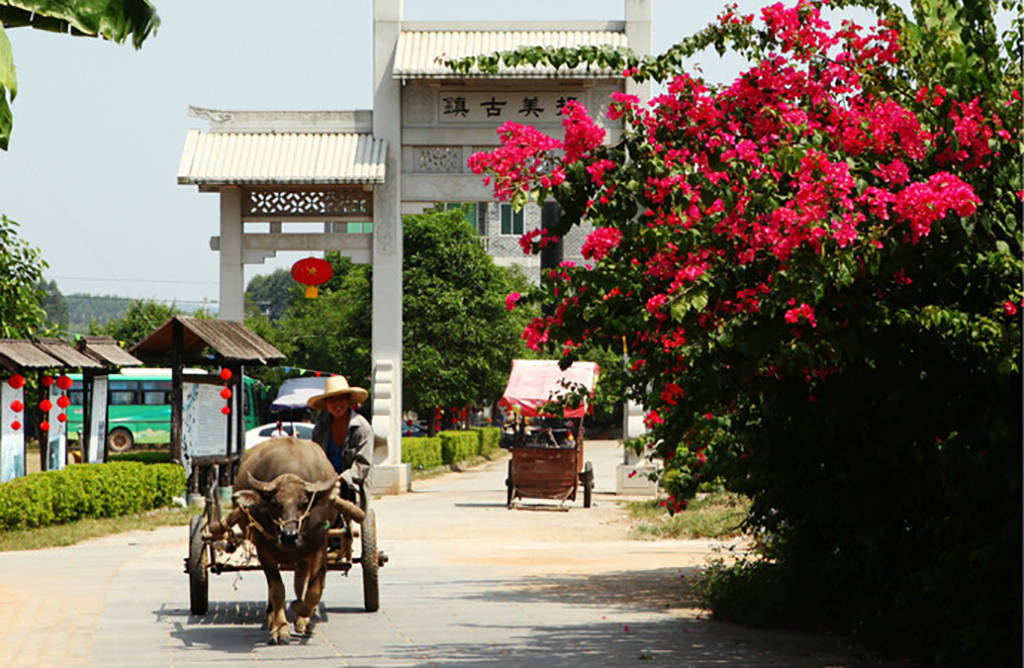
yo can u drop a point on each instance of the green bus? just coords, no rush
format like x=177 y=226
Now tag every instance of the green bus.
x=139 y=407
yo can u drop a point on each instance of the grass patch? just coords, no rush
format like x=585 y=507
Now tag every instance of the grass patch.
x=62 y=535
x=712 y=515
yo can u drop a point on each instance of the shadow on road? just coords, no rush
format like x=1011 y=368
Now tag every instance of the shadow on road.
x=665 y=642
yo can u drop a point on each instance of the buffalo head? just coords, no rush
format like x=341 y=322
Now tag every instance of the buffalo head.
x=294 y=507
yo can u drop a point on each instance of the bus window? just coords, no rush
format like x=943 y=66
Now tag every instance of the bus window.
x=75 y=394
x=156 y=392
x=122 y=392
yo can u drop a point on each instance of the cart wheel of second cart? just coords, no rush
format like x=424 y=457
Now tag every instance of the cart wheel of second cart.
x=369 y=559
x=198 y=561
x=510 y=487
x=588 y=483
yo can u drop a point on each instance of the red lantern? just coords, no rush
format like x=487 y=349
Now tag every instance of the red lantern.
x=62 y=417
x=45 y=405
x=311 y=272
x=15 y=425
x=16 y=381
x=226 y=393
x=226 y=410
x=64 y=382
x=63 y=401
x=225 y=374
x=44 y=426
x=17 y=406
x=47 y=381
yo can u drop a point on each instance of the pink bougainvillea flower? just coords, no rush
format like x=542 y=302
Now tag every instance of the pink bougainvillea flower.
x=652 y=418
x=511 y=299
x=582 y=134
x=1009 y=308
x=600 y=242
x=805 y=311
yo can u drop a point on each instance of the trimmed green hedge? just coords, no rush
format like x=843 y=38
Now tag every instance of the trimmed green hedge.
x=490 y=438
x=449 y=447
x=144 y=456
x=457 y=446
x=87 y=491
x=422 y=452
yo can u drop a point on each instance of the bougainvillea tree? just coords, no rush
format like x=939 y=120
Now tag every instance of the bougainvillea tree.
x=816 y=273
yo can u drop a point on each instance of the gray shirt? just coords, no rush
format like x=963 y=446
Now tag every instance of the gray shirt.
x=357 y=450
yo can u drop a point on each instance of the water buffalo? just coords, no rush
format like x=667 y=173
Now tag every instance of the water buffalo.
x=284 y=501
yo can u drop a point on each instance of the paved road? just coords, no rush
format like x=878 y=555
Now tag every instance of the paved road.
x=469 y=583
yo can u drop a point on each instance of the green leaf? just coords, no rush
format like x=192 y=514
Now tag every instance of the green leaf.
x=6 y=120
x=8 y=78
x=116 y=20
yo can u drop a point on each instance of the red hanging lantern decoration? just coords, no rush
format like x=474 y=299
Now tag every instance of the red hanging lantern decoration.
x=17 y=406
x=44 y=426
x=225 y=375
x=47 y=381
x=62 y=417
x=16 y=381
x=63 y=401
x=15 y=425
x=45 y=405
x=311 y=272
x=64 y=382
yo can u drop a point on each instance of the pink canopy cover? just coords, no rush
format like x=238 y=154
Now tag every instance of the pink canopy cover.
x=534 y=383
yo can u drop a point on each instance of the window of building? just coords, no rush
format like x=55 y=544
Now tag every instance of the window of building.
x=475 y=213
x=365 y=227
x=511 y=221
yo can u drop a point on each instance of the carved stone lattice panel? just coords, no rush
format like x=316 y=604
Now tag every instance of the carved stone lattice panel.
x=314 y=203
x=438 y=160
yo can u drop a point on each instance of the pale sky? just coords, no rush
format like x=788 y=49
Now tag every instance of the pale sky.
x=99 y=127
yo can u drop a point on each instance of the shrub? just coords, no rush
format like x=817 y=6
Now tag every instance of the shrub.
x=144 y=457
x=422 y=453
x=458 y=446
x=87 y=491
x=490 y=438
x=816 y=272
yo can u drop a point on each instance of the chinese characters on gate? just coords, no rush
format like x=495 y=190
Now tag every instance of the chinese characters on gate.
x=503 y=106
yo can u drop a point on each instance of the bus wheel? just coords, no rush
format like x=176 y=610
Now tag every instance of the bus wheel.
x=120 y=440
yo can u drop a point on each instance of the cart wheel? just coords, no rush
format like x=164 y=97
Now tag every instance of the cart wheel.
x=588 y=483
x=510 y=487
x=198 y=560
x=371 y=566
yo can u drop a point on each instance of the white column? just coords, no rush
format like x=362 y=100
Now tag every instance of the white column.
x=232 y=271
x=390 y=476
x=639 y=38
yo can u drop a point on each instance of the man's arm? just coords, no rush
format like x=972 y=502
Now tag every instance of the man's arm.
x=360 y=448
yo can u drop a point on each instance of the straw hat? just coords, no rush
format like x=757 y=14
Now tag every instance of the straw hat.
x=336 y=386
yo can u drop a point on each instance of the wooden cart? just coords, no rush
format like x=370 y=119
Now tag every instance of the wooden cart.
x=547 y=451
x=235 y=553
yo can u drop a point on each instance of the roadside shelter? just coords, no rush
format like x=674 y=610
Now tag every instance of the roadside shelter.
x=207 y=435
x=41 y=360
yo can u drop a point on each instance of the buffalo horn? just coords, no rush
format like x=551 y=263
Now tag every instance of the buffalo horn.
x=348 y=509
x=260 y=485
x=317 y=487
